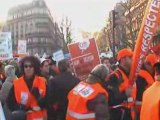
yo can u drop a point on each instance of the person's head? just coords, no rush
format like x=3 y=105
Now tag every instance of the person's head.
x=44 y=66
x=106 y=61
x=9 y=71
x=63 y=66
x=30 y=66
x=149 y=62
x=124 y=57
x=14 y=63
x=157 y=68
x=51 y=61
x=98 y=74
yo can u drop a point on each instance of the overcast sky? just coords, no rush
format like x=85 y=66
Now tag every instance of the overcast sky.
x=86 y=15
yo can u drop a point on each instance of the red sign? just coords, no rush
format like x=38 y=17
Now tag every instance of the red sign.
x=84 y=57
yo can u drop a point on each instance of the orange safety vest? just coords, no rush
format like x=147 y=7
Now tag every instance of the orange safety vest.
x=24 y=97
x=150 y=103
x=122 y=87
x=78 y=98
x=149 y=79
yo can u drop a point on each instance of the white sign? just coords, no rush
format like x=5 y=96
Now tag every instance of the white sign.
x=5 y=46
x=57 y=56
x=2 y=117
x=22 y=47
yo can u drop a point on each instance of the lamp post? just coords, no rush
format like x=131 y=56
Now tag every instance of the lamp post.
x=113 y=32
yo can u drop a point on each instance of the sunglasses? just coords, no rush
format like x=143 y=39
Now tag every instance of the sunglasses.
x=26 y=66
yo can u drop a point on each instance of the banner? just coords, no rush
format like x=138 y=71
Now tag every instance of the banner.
x=147 y=31
x=84 y=57
x=22 y=47
x=5 y=46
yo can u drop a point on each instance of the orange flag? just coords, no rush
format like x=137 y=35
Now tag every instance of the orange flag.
x=147 y=31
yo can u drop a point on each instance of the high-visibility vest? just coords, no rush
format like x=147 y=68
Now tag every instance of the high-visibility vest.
x=149 y=79
x=122 y=87
x=125 y=84
x=150 y=103
x=78 y=98
x=24 y=97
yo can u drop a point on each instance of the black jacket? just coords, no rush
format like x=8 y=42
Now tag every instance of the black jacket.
x=112 y=84
x=13 y=105
x=116 y=97
x=58 y=90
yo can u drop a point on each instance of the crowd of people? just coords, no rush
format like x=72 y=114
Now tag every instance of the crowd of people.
x=40 y=89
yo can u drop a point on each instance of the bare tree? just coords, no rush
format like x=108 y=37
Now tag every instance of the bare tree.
x=66 y=31
x=132 y=18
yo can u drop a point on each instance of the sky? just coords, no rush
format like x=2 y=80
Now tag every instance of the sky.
x=86 y=15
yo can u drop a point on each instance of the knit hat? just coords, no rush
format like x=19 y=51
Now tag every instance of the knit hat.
x=123 y=53
x=152 y=59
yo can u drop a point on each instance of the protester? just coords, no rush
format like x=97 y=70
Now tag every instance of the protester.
x=53 y=69
x=89 y=100
x=10 y=76
x=27 y=97
x=15 y=63
x=59 y=88
x=2 y=74
x=118 y=87
x=151 y=97
x=44 y=67
x=144 y=79
x=106 y=62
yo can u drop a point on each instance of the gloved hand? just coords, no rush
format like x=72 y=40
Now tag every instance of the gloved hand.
x=18 y=115
x=129 y=91
x=42 y=102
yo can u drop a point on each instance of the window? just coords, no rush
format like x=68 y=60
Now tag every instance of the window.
x=25 y=13
x=21 y=35
x=46 y=41
x=41 y=11
x=42 y=40
x=29 y=40
x=42 y=51
x=35 y=40
x=31 y=27
x=36 y=50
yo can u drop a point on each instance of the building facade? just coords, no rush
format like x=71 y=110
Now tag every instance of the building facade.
x=1 y=26
x=33 y=22
x=134 y=16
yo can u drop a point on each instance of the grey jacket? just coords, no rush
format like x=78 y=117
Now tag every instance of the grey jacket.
x=10 y=74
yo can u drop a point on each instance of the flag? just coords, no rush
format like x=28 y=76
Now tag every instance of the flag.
x=147 y=31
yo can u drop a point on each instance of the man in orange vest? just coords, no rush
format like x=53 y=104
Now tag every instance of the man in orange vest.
x=144 y=79
x=150 y=103
x=118 y=87
x=27 y=97
x=89 y=100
